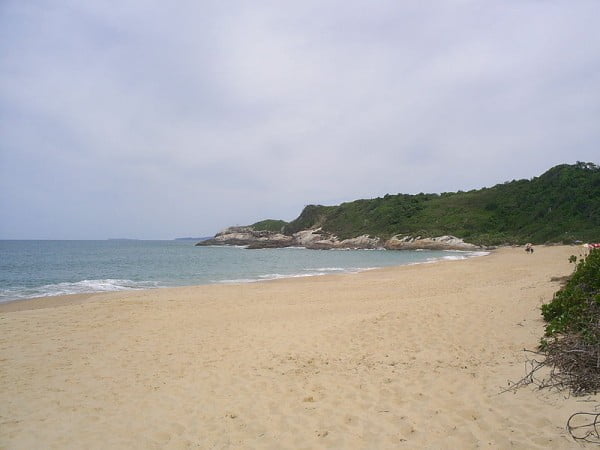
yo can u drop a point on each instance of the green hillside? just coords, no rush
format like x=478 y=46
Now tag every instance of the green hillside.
x=277 y=226
x=562 y=205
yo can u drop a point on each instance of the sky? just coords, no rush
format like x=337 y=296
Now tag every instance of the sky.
x=155 y=120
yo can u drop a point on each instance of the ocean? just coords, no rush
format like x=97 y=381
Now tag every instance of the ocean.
x=46 y=268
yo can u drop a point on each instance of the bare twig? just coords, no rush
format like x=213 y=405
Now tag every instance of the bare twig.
x=583 y=426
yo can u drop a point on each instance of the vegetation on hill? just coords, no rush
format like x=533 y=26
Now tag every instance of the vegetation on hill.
x=562 y=205
x=276 y=226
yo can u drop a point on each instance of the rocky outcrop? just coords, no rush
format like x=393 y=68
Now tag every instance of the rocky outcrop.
x=436 y=243
x=316 y=239
x=321 y=240
x=247 y=236
x=364 y=242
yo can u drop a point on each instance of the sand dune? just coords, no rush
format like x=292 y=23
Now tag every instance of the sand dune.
x=409 y=357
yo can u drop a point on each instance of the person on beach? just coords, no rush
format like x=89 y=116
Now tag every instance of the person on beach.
x=529 y=248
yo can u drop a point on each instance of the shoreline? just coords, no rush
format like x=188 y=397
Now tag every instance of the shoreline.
x=76 y=298
x=398 y=357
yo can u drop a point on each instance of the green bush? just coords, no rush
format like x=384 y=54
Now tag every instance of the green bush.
x=576 y=307
x=572 y=343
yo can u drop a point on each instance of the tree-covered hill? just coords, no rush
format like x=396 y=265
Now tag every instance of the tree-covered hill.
x=562 y=205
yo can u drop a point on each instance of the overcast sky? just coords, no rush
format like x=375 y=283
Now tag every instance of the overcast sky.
x=154 y=119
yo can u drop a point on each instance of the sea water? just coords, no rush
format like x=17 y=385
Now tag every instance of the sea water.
x=46 y=268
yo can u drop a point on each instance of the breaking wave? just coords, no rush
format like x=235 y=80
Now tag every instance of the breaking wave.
x=77 y=287
x=313 y=272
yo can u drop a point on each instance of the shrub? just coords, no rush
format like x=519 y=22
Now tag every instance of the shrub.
x=572 y=343
x=574 y=308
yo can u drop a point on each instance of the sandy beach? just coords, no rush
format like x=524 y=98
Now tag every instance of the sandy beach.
x=406 y=357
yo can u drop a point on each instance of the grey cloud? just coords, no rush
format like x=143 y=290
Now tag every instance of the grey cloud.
x=153 y=120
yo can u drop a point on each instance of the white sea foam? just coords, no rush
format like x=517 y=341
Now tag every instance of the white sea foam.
x=460 y=255
x=469 y=253
x=267 y=277
x=328 y=270
x=313 y=272
x=476 y=254
x=78 y=287
x=236 y=281
x=278 y=276
x=453 y=258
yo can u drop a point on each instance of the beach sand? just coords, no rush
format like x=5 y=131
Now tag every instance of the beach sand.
x=407 y=357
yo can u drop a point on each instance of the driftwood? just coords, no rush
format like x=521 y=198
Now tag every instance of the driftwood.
x=584 y=427
x=572 y=364
x=575 y=363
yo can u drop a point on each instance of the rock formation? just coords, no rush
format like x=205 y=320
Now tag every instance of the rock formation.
x=318 y=239
x=436 y=243
x=248 y=236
